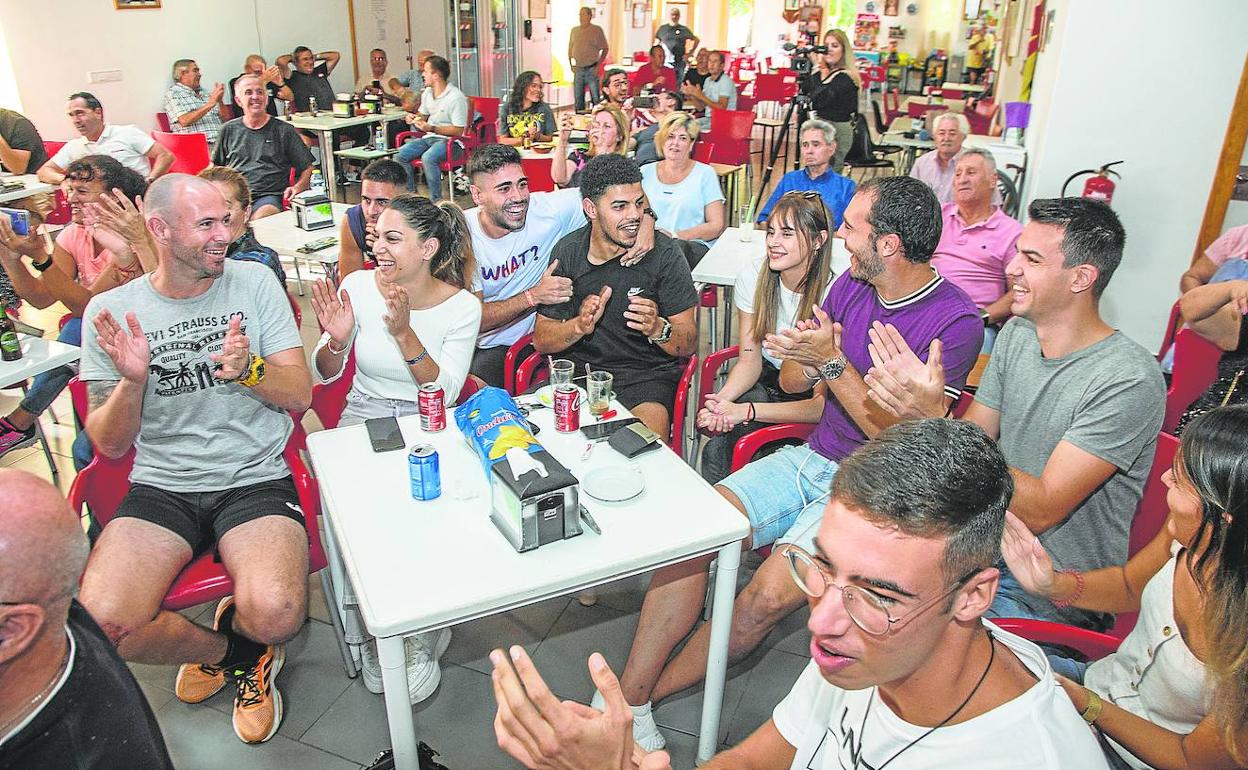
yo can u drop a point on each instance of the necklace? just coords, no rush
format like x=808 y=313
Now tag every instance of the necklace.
x=992 y=654
x=37 y=699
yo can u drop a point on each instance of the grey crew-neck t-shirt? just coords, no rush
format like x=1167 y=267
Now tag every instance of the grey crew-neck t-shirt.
x=1107 y=399
x=197 y=434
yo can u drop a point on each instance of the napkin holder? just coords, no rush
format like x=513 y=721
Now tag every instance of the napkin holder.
x=530 y=509
x=312 y=211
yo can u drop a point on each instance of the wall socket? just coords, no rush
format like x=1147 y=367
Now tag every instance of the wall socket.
x=103 y=76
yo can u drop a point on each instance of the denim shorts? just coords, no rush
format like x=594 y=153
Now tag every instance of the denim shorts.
x=784 y=494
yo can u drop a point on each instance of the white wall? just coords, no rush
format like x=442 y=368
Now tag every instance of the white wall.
x=54 y=43
x=1094 y=102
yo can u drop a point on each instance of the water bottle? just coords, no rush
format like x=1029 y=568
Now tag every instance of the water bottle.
x=318 y=181
x=379 y=138
x=312 y=105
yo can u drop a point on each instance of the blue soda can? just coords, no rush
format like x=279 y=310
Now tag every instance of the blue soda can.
x=422 y=466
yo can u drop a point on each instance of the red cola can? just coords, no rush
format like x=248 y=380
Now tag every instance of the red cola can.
x=567 y=409
x=432 y=403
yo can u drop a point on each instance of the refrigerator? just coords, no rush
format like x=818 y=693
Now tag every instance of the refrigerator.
x=483 y=39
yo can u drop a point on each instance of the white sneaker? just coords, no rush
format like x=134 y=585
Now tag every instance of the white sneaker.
x=423 y=672
x=645 y=729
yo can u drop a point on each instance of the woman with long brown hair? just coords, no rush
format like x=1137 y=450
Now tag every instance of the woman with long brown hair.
x=1175 y=694
x=771 y=294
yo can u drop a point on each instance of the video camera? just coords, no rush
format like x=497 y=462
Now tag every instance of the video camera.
x=801 y=63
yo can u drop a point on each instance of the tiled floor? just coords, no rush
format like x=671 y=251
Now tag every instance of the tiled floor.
x=334 y=722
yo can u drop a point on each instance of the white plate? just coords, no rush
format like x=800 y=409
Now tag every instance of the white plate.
x=546 y=395
x=614 y=483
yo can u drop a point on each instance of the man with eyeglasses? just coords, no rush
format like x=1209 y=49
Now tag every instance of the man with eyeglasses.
x=905 y=672
x=890 y=228
x=68 y=700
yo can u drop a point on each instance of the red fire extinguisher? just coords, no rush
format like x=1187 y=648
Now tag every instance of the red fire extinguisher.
x=1099 y=187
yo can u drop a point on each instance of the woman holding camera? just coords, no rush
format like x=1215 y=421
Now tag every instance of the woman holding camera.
x=835 y=95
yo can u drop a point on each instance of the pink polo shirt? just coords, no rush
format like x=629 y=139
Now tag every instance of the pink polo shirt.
x=1232 y=243
x=77 y=240
x=974 y=256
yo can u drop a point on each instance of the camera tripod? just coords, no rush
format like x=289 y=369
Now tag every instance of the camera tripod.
x=800 y=104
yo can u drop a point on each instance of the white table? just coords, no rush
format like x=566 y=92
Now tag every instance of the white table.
x=280 y=233
x=324 y=125
x=419 y=566
x=38 y=356
x=1004 y=154
x=33 y=187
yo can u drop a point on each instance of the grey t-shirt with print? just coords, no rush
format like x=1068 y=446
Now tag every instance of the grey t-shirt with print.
x=197 y=434
x=1107 y=399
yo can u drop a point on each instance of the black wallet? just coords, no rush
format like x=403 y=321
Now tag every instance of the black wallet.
x=634 y=439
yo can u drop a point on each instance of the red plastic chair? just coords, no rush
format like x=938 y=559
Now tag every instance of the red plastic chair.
x=641 y=57
x=329 y=400
x=731 y=130
x=769 y=87
x=1091 y=644
x=487 y=107
x=702 y=151
x=162 y=120
x=918 y=109
x=190 y=151
x=752 y=443
x=1173 y=325
x=62 y=214
x=892 y=110
x=519 y=351
x=538 y=170
x=456 y=155
x=104 y=483
x=1195 y=368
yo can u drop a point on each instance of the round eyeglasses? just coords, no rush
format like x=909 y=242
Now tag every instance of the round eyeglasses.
x=868 y=610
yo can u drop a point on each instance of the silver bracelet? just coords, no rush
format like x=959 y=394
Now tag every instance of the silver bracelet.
x=329 y=345
x=413 y=361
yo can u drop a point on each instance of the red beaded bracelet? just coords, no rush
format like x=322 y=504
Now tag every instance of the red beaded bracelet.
x=1079 y=585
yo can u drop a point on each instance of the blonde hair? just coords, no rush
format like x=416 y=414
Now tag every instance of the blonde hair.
x=848 y=63
x=806 y=213
x=621 y=127
x=672 y=122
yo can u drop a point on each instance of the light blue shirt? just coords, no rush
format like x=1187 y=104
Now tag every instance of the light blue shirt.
x=835 y=190
x=681 y=206
x=714 y=90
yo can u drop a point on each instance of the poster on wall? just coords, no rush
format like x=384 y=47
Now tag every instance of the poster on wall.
x=126 y=5
x=892 y=7
x=866 y=28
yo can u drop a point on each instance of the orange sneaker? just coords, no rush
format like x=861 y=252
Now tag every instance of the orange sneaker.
x=197 y=682
x=258 y=704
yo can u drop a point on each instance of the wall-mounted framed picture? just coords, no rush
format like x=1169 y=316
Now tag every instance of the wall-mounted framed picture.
x=129 y=5
x=790 y=5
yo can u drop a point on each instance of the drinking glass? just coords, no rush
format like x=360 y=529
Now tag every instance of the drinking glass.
x=600 y=394
x=561 y=370
x=744 y=225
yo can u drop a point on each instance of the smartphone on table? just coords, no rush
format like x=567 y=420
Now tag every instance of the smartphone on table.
x=384 y=434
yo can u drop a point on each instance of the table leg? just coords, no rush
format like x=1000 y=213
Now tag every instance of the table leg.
x=329 y=172
x=729 y=559
x=398 y=708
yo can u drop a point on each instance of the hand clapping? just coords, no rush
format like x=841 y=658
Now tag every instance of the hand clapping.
x=235 y=355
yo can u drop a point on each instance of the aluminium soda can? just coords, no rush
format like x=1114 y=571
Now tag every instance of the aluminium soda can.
x=426 y=476
x=432 y=402
x=567 y=408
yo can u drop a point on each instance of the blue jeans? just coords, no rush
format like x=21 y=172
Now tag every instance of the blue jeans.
x=586 y=77
x=432 y=153
x=784 y=495
x=47 y=386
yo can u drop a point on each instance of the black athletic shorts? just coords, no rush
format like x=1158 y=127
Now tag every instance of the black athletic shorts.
x=202 y=518
x=658 y=386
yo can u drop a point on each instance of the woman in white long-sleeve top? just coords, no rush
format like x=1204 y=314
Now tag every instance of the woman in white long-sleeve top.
x=409 y=322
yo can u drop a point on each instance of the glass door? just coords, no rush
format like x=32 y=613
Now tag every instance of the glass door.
x=463 y=37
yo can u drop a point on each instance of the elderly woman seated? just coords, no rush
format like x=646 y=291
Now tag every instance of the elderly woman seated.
x=685 y=194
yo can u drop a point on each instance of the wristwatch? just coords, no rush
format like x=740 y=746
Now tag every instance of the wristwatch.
x=254 y=372
x=664 y=334
x=1093 y=711
x=833 y=368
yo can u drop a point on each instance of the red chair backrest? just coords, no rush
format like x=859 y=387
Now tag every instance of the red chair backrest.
x=1172 y=328
x=729 y=124
x=917 y=109
x=702 y=151
x=190 y=151
x=538 y=170
x=488 y=108
x=681 y=406
x=1195 y=368
x=162 y=120
x=746 y=102
x=979 y=123
x=329 y=399
x=62 y=214
x=1093 y=645
x=520 y=350
x=769 y=87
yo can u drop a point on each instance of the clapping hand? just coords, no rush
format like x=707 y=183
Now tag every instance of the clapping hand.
x=591 y=311
x=271 y=74
x=130 y=353
x=720 y=415
x=116 y=223
x=898 y=381
x=398 y=315
x=643 y=316
x=334 y=312
x=1026 y=557
x=544 y=733
x=218 y=93
x=811 y=343
x=235 y=355
x=565 y=127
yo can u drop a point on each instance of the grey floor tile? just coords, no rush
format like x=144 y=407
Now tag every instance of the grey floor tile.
x=527 y=626
x=312 y=679
x=563 y=658
x=202 y=737
x=317 y=608
x=456 y=721
x=791 y=634
x=683 y=711
x=156 y=697
x=625 y=595
x=32 y=460
x=769 y=679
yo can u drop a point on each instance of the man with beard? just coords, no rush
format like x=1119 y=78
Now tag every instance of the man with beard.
x=264 y=150
x=635 y=322
x=890 y=229
x=513 y=232
x=380 y=182
x=194 y=367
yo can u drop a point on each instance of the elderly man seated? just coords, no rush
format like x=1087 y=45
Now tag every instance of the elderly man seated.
x=818 y=146
x=977 y=240
x=635 y=322
x=190 y=107
x=936 y=168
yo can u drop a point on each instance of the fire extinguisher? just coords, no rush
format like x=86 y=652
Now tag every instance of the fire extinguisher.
x=1099 y=187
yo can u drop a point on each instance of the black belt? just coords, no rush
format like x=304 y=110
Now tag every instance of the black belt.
x=585 y=66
